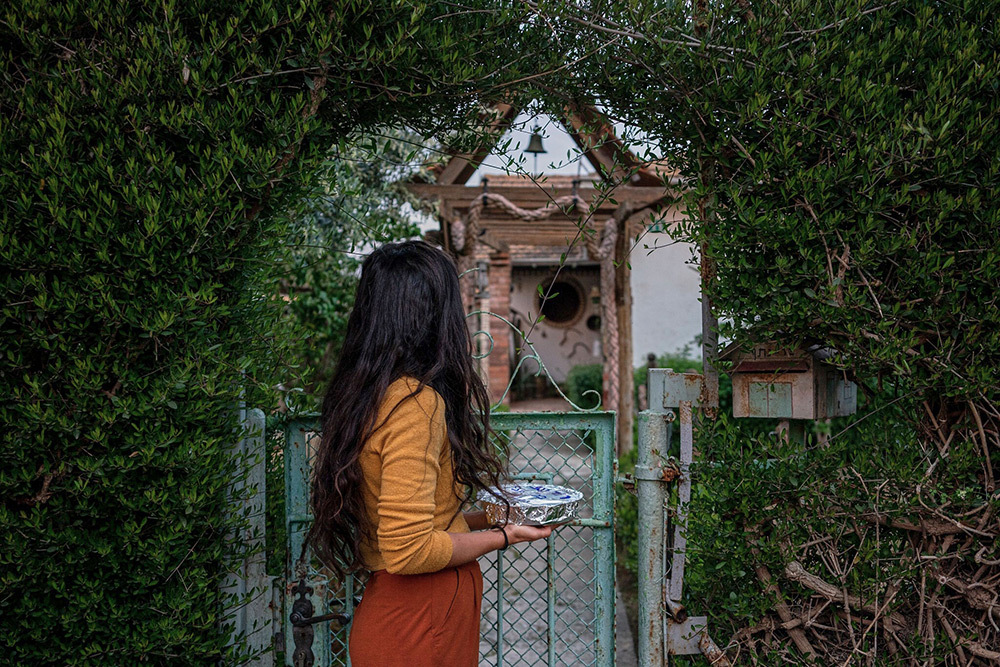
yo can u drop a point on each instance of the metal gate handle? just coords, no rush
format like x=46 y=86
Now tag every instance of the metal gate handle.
x=302 y=620
x=302 y=633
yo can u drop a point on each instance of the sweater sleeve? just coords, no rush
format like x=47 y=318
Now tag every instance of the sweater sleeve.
x=412 y=441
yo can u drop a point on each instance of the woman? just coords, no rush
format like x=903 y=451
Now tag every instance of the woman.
x=405 y=445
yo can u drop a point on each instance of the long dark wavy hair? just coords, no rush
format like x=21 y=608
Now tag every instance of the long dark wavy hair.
x=408 y=319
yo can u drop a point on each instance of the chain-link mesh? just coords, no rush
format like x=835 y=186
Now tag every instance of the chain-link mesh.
x=546 y=612
x=544 y=603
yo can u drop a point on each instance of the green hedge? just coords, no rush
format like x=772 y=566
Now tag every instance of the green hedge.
x=138 y=214
x=148 y=153
x=843 y=186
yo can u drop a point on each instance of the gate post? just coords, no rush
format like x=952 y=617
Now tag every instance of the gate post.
x=249 y=620
x=654 y=443
x=677 y=632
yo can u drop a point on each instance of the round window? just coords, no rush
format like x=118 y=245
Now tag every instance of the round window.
x=564 y=304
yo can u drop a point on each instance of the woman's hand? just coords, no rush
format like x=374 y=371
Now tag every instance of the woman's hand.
x=516 y=533
x=469 y=546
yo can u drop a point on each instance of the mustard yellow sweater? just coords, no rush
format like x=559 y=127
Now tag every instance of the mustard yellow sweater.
x=409 y=488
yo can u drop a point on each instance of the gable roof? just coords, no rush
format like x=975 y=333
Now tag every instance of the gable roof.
x=590 y=130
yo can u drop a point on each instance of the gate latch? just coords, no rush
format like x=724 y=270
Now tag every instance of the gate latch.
x=302 y=621
x=668 y=472
x=628 y=482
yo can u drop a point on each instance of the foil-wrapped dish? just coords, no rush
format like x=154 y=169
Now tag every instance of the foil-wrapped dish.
x=531 y=504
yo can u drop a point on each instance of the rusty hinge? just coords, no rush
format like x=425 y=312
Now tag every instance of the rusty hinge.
x=667 y=472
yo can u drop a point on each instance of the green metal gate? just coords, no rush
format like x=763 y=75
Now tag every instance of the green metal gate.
x=544 y=603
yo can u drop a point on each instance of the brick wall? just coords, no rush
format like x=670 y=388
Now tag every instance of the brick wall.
x=499 y=360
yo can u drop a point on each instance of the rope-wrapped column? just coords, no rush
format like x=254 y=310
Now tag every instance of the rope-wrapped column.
x=604 y=252
x=464 y=245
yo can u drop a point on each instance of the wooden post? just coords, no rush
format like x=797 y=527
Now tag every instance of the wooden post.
x=709 y=322
x=623 y=309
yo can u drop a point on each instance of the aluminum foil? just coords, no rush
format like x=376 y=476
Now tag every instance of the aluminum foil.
x=531 y=504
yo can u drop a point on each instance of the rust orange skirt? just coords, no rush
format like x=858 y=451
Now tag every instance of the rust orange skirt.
x=419 y=620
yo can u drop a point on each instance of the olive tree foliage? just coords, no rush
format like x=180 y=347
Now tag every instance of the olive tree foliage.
x=359 y=201
x=149 y=155
x=843 y=184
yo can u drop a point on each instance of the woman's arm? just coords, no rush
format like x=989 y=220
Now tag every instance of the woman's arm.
x=467 y=547
x=409 y=446
x=476 y=520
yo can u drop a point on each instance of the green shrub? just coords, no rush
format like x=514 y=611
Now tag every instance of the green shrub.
x=582 y=379
x=357 y=201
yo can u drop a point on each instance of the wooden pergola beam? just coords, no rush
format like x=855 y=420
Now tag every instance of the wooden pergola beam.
x=590 y=131
x=532 y=196
x=460 y=168
x=597 y=140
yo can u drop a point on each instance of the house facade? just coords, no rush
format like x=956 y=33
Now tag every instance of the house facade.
x=576 y=250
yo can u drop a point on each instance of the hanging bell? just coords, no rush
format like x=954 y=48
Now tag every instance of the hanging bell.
x=535 y=143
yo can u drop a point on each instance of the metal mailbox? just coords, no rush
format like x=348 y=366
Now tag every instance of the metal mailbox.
x=781 y=383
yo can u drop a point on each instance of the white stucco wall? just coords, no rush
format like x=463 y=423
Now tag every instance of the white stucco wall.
x=666 y=310
x=560 y=347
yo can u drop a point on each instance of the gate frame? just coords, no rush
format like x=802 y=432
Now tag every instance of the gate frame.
x=604 y=476
x=603 y=479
